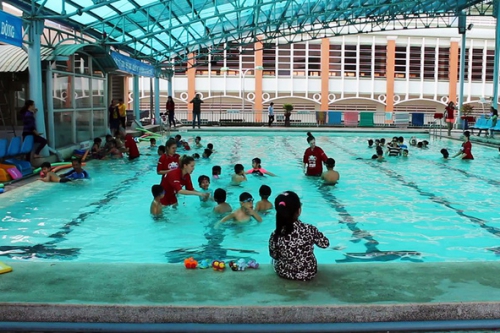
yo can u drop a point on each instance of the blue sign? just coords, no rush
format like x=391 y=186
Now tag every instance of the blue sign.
x=132 y=66
x=11 y=29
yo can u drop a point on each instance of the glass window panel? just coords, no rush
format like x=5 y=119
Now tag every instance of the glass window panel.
x=82 y=65
x=83 y=132
x=82 y=92
x=99 y=121
x=98 y=93
x=61 y=91
x=63 y=129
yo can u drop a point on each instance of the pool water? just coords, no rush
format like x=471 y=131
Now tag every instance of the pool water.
x=420 y=209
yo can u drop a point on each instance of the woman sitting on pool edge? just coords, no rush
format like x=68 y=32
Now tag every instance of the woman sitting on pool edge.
x=291 y=245
x=173 y=182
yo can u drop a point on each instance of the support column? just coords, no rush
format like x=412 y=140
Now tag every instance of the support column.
x=157 y=101
x=191 y=76
x=259 y=75
x=137 y=105
x=390 y=67
x=496 y=12
x=151 y=97
x=126 y=91
x=35 y=30
x=462 y=77
x=170 y=90
x=453 y=70
x=325 y=79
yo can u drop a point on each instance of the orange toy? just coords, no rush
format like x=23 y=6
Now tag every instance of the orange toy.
x=218 y=265
x=190 y=263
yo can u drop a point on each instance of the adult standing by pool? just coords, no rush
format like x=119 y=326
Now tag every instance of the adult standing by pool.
x=466 y=150
x=175 y=180
x=114 y=118
x=270 y=113
x=170 y=111
x=122 y=111
x=196 y=101
x=314 y=157
x=449 y=115
x=28 y=112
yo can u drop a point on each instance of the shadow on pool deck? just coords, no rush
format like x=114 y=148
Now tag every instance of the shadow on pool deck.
x=80 y=292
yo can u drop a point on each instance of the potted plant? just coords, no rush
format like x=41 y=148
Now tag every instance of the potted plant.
x=288 y=112
x=466 y=115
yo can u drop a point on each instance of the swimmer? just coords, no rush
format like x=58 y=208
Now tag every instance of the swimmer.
x=264 y=204
x=413 y=141
x=197 y=142
x=196 y=156
x=220 y=198
x=114 y=152
x=245 y=212
x=161 y=150
x=445 y=153
x=47 y=175
x=211 y=147
x=239 y=175
x=76 y=173
x=370 y=143
x=152 y=143
x=379 y=156
x=96 y=148
x=393 y=149
x=206 y=153
x=204 y=183
x=425 y=144
x=405 y=152
x=216 y=171
x=402 y=143
x=156 y=206
x=257 y=169
x=330 y=176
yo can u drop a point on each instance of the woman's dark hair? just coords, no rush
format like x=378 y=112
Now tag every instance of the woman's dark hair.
x=156 y=190
x=185 y=160
x=445 y=153
x=161 y=148
x=310 y=137
x=379 y=151
x=287 y=206
x=26 y=106
x=467 y=134
x=370 y=142
x=170 y=142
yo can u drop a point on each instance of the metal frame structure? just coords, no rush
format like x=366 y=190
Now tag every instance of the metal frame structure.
x=158 y=31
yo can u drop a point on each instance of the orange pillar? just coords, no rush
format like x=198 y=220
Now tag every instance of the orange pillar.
x=453 y=70
x=389 y=68
x=325 y=78
x=259 y=61
x=126 y=90
x=191 y=76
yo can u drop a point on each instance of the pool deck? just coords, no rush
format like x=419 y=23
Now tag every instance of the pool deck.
x=169 y=293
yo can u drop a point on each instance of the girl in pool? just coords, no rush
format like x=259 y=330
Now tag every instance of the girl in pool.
x=314 y=157
x=466 y=150
x=170 y=160
x=291 y=245
x=175 y=180
x=257 y=169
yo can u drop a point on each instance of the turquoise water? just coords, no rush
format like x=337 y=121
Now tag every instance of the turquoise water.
x=420 y=209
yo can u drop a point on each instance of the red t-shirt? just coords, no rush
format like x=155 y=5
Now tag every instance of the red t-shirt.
x=467 y=150
x=314 y=160
x=450 y=112
x=133 y=151
x=172 y=183
x=167 y=162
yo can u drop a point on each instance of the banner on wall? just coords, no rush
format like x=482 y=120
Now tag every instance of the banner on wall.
x=132 y=66
x=11 y=29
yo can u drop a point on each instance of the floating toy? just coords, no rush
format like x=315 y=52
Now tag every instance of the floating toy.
x=253 y=264
x=240 y=265
x=190 y=263
x=204 y=264
x=4 y=268
x=2 y=185
x=218 y=265
x=2 y=190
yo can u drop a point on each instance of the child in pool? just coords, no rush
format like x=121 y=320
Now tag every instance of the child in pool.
x=204 y=182
x=96 y=148
x=206 y=153
x=156 y=206
x=114 y=152
x=257 y=169
x=216 y=171
x=245 y=212
x=47 y=175
x=330 y=176
x=239 y=175
x=264 y=204
x=152 y=143
x=161 y=150
x=220 y=198
x=197 y=142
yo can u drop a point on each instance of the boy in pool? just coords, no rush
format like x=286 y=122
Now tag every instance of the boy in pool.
x=204 y=182
x=156 y=206
x=152 y=143
x=76 y=173
x=161 y=150
x=206 y=153
x=239 y=175
x=216 y=171
x=245 y=212
x=257 y=169
x=330 y=176
x=114 y=152
x=222 y=206
x=47 y=175
x=264 y=204
x=197 y=142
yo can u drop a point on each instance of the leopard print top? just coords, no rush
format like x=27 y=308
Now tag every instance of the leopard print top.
x=293 y=253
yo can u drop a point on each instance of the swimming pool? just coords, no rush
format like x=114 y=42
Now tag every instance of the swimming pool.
x=420 y=209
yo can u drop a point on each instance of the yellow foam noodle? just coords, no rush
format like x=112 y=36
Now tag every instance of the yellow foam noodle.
x=4 y=268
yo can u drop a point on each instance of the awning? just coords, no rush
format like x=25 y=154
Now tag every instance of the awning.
x=15 y=59
x=101 y=56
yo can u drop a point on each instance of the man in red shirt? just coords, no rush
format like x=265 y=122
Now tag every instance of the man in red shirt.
x=314 y=157
x=173 y=182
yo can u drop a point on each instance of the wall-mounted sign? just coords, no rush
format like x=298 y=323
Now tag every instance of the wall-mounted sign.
x=11 y=29
x=132 y=66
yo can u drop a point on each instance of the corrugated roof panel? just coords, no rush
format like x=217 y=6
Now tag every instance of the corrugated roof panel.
x=15 y=59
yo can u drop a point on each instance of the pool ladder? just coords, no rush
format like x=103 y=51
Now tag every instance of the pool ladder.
x=436 y=128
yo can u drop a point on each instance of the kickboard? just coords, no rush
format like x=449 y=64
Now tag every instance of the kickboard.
x=4 y=268
x=14 y=173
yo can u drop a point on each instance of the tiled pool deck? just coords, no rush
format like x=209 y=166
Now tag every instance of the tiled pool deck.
x=168 y=293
